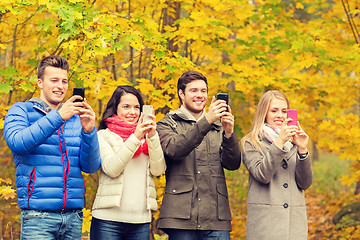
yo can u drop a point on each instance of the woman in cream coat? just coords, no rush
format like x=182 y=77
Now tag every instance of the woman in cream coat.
x=130 y=156
x=279 y=164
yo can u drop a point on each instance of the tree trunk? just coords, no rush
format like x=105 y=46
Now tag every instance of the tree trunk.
x=168 y=20
x=315 y=151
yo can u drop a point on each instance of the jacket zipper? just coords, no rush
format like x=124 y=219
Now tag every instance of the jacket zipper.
x=65 y=170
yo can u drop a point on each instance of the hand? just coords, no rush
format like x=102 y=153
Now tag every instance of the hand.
x=152 y=124
x=301 y=139
x=216 y=110
x=70 y=108
x=286 y=133
x=227 y=121
x=143 y=128
x=87 y=117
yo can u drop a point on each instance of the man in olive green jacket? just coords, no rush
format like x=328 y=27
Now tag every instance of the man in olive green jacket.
x=197 y=146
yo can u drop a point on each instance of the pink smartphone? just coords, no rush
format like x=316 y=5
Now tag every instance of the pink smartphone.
x=292 y=113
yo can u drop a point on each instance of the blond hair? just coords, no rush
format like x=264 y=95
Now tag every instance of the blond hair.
x=255 y=133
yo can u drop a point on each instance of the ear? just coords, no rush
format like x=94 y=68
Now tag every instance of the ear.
x=40 y=83
x=181 y=94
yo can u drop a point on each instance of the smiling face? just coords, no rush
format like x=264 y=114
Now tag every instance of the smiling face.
x=53 y=86
x=129 y=108
x=276 y=114
x=194 y=97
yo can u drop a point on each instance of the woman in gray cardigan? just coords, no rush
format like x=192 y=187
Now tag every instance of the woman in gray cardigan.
x=279 y=164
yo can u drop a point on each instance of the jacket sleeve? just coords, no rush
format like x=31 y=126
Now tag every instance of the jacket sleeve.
x=157 y=160
x=22 y=137
x=303 y=172
x=116 y=154
x=231 y=155
x=262 y=165
x=177 y=146
x=89 y=152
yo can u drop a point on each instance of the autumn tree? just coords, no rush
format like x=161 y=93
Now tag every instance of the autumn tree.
x=304 y=48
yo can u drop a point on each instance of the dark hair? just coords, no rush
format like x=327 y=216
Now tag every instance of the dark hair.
x=188 y=77
x=112 y=105
x=52 y=61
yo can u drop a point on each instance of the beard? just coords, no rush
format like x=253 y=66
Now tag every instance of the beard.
x=194 y=109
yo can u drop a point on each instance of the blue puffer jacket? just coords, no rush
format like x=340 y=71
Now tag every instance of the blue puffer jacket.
x=49 y=156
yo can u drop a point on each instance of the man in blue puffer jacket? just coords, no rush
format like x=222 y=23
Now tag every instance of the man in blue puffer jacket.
x=52 y=143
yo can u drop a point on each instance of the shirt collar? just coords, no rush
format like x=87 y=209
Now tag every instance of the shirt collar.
x=186 y=112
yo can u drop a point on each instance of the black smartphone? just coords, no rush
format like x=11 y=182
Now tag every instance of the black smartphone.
x=79 y=91
x=223 y=96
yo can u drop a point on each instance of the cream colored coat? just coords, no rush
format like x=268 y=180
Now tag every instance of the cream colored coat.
x=276 y=207
x=115 y=154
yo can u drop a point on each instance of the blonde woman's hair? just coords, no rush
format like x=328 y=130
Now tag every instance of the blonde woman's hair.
x=255 y=133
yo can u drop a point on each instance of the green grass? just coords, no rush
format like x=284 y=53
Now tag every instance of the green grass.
x=327 y=174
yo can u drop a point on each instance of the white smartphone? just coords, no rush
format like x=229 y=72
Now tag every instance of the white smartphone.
x=147 y=109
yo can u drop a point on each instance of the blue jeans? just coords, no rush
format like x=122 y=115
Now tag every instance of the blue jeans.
x=106 y=230
x=45 y=225
x=183 y=234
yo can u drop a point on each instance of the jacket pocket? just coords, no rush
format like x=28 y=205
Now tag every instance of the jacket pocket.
x=177 y=199
x=223 y=202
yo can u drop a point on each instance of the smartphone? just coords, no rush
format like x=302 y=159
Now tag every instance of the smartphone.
x=147 y=109
x=80 y=92
x=223 y=96
x=292 y=113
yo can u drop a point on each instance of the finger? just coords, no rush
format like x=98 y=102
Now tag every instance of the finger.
x=86 y=105
x=213 y=99
x=152 y=117
x=141 y=117
x=75 y=97
x=299 y=125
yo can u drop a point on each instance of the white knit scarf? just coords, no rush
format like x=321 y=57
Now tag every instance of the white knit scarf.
x=270 y=134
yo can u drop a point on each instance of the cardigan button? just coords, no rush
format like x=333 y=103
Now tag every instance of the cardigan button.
x=285 y=185
x=285 y=166
x=174 y=191
x=286 y=205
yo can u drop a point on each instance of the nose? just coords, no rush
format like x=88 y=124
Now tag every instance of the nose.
x=132 y=110
x=60 y=85
x=199 y=94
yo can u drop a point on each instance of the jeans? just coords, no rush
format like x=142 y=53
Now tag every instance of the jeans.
x=182 y=234
x=106 y=230
x=45 y=225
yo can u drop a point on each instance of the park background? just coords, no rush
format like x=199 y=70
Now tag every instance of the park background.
x=308 y=49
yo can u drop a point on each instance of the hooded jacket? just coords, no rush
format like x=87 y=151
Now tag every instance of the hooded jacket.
x=196 y=154
x=49 y=156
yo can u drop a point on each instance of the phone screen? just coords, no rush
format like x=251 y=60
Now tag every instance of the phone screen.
x=80 y=92
x=292 y=113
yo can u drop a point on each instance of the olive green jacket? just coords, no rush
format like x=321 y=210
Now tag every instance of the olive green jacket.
x=196 y=195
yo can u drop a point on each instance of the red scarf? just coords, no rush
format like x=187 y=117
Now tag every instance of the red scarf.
x=124 y=130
